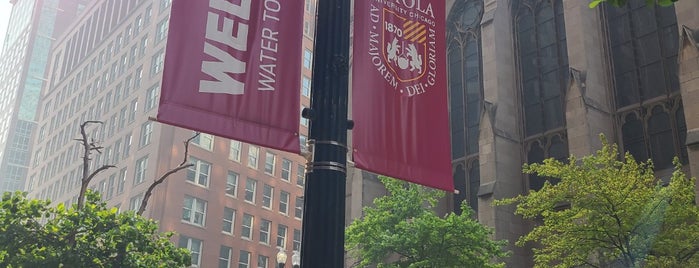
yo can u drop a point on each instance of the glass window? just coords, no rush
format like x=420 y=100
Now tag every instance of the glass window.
x=298 y=211
x=234 y=153
x=262 y=261
x=267 y=194
x=224 y=257
x=283 y=202
x=250 y=189
x=297 y=239
x=306 y=86
x=135 y=202
x=286 y=169
x=253 y=155
x=300 y=175
x=265 y=225
x=281 y=235
x=232 y=184
x=228 y=220
x=194 y=246
x=307 y=58
x=246 y=228
x=205 y=141
x=146 y=133
x=199 y=172
x=270 y=161
x=194 y=211
x=152 y=97
x=140 y=174
x=244 y=261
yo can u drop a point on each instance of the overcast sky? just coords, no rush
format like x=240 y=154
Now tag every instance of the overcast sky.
x=5 y=8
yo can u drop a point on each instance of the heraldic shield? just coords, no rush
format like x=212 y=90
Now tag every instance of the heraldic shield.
x=404 y=46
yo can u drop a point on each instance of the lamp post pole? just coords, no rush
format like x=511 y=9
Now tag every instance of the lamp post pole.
x=324 y=198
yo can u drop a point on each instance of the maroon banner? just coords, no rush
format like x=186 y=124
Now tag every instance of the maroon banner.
x=233 y=69
x=399 y=91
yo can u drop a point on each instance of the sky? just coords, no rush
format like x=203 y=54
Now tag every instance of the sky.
x=5 y=8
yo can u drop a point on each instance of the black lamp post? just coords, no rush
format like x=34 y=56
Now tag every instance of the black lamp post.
x=281 y=258
x=324 y=198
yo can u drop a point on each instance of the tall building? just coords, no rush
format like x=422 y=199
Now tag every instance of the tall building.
x=236 y=206
x=534 y=79
x=33 y=26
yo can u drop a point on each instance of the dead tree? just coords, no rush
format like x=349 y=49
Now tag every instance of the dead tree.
x=88 y=147
x=161 y=179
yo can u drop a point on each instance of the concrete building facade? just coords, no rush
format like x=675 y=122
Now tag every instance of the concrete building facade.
x=235 y=207
x=533 y=79
x=32 y=28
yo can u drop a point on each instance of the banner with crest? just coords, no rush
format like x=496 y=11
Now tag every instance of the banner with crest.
x=399 y=91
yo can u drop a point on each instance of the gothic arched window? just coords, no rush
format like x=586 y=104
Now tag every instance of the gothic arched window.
x=644 y=48
x=543 y=64
x=465 y=95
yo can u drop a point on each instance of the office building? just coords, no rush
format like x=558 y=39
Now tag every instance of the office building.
x=235 y=206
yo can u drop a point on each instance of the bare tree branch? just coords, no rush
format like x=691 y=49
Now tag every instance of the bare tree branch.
x=88 y=147
x=181 y=166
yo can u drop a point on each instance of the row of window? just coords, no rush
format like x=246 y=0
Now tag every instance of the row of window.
x=203 y=168
x=225 y=259
x=250 y=195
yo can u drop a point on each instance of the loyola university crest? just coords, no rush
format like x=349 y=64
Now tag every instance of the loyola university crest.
x=404 y=46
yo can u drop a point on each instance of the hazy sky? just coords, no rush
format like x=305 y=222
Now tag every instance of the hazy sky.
x=5 y=8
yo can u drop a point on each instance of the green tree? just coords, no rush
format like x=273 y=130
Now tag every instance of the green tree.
x=402 y=230
x=610 y=212
x=35 y=234
x=618 y=3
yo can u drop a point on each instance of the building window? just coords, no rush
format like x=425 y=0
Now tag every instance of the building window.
x=194 y=246
x=157 y=61
x=146 y=133
x=300 y=175
x=224 y=257
x=267 y=194
x=304 y=121
x=286 y=169
x=161 y=30
x=543 y=60
x=228 y=220
x=465 y=80
x=194 y=211
x=140 y=174
x=246 y=228
x=281 y=236
x=234 y=153
x=284 y=202
x=306 y=86
x=262 y=261
x=270 y=161
x=152 y=97
x=645 y=65
x=121 y=182
x=253 y=155
x=244 y=261
x=250 y=190
x=135 y=202
x=297 y=240
x=134 y=109
x=307 y=58
x=265 y=225
x=298 y=211
x=199 y=172
x=205 y=141
x=232 y=184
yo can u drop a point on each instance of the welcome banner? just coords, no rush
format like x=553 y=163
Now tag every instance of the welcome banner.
x=233 y=69
x=399 y=91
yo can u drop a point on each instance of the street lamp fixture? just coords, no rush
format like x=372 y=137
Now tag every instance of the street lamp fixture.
x=281 y=258
x=296 y=259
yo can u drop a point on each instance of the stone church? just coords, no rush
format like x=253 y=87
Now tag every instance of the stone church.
x=534 y=79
